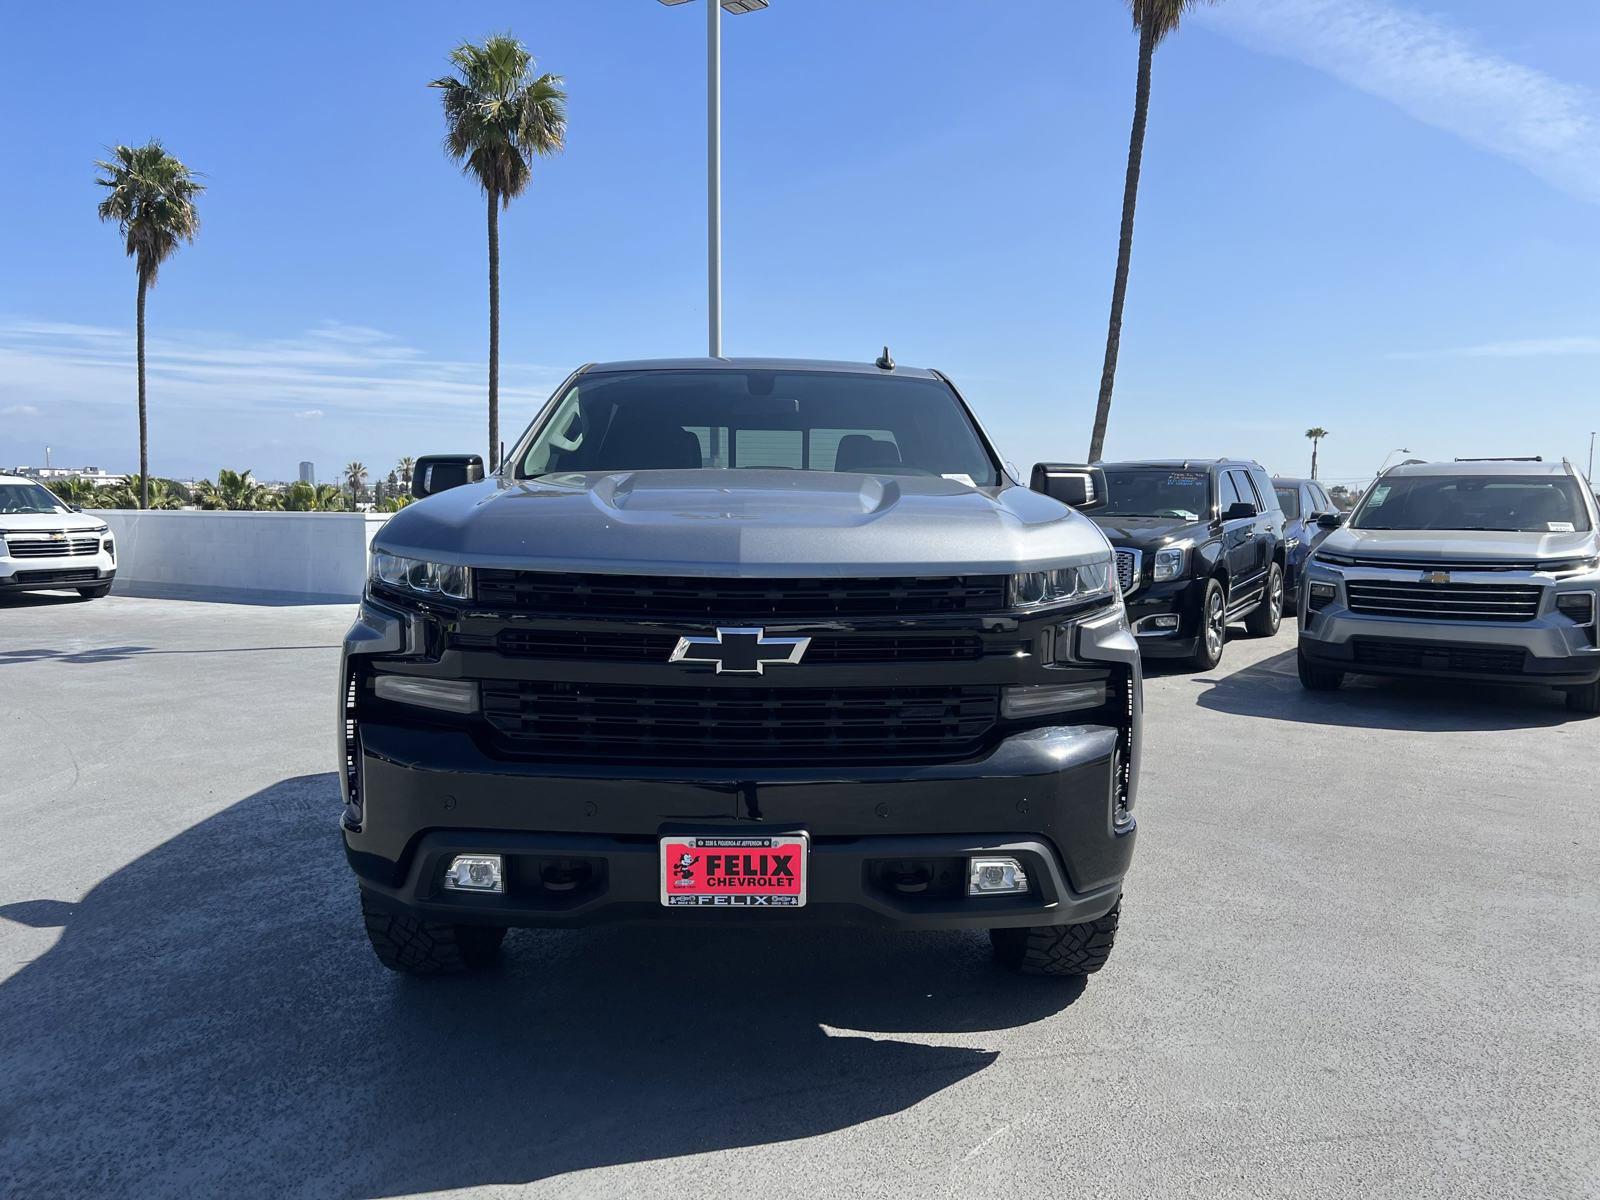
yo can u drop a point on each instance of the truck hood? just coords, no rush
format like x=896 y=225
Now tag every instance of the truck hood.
x=28 y=522
x=1480 y=545
x=743 y=523
x=1150 y=533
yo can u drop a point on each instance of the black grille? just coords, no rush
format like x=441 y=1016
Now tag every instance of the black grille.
x=1439 y=656
x=71 y=547
x=724 y=599
x=718 y=727
x=1128 y=570
x=629 y=646
x=1445 y=601
x=89 y=576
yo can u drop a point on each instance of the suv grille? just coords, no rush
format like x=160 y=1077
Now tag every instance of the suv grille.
x=1445 y=602
x=726 y=726
x=640 y=597
x=636 y=647
x=1439 y=656
x=41 y=546
x=1128 y=570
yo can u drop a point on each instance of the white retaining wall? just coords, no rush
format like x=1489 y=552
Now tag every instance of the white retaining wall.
x=260 y=557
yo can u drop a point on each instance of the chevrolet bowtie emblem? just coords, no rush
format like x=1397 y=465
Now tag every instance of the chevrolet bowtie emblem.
x=1436 y=577
x=739 y=651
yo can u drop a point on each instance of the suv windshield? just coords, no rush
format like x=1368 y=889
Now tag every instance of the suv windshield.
x=1147 y=492
x=1506 y=503
x=772 y=419
x=18 y=499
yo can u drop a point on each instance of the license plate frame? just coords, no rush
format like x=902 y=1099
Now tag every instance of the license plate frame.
x=686 y=886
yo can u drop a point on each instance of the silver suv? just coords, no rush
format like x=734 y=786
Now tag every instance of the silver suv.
x=1482 y=569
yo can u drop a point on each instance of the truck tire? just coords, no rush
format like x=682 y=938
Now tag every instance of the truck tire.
x=414 y=946
x=1264 y=621
x=1211 y=631
x=94 y=593
x=1585 y=699
x=1058 y=950
x=1314 y=678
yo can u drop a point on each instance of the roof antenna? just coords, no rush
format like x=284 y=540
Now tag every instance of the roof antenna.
x=884 y=363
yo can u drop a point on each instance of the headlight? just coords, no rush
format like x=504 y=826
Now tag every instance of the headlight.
x=1327 y=558
x=1571 y=566
x=1168 y=563
x=420 y=576
x=1064 y=585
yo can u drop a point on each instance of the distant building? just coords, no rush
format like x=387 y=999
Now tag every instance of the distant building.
x=308 y=473
x=92 y=475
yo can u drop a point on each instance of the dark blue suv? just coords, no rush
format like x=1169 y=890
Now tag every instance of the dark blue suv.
x=1308 y=517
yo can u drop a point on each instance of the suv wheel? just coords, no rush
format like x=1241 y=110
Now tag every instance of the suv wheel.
x=94 y=593
x=1585 y=699
x=1264 y=621
x=414 y=946
x=1314 y=678
x=1058 y=949
x=1213 y=632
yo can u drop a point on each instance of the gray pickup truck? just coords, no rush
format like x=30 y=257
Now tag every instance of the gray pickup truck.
x=1481 y=570
x=742 y=640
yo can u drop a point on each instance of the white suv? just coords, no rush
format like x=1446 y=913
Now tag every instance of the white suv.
x=47 y=545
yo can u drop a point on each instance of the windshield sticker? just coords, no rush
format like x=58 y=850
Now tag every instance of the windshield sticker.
x=1379 y=495
x=1561 y=527
x=1186 y=480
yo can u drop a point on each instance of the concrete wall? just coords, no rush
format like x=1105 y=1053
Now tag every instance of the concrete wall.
x=247 y=557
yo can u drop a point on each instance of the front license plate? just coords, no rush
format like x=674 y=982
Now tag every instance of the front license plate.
x=734 y=871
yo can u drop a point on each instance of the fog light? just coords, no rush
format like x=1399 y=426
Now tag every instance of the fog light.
x=450 y=695
x=1321 y=594
x=996 y=877
x=1577 y=605
x=474 y=873
x=1032 y=699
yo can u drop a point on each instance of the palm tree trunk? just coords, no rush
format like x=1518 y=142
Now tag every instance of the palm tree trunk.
x=494 y=330
x=1130 y=197
x=144 y=427
x=1313 y=458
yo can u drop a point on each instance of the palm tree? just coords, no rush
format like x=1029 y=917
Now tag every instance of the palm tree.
x=1153 y=20
x=403 y=469
x=498 y=115
x=1316 y=433
x=150 y=195
x=355 y=476
x=237 y=491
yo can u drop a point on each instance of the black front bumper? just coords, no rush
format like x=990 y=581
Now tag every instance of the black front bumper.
x=1045 y=796
x=1180 y=597
x=55 y=579
x=1433 y=659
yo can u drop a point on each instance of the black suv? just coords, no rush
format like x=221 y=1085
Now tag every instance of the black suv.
x=1199 y=546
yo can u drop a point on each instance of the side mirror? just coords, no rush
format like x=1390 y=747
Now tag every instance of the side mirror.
x=1331 y=520
x=1079 y=487
x=435 y=473
x=1240 y=510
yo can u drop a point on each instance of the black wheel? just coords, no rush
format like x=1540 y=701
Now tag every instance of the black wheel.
x=1264 y=621
x=1213 y=632
x=1585 y=699
x=1314 y=678
x=1058 y=950
x=94 y=593
x=412 y=946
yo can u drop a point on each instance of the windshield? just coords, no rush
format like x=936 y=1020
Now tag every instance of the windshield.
x=773 y=420
x=1505 y=503
x=1289 y=501
x=1143 y=492
x=18 y=499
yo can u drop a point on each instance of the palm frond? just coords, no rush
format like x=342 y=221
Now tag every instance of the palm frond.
x=150 y=197
x=499 y=116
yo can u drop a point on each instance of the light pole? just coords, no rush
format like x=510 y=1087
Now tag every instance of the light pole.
x=714 y=157
x=1391 y=454
x=1589 y=474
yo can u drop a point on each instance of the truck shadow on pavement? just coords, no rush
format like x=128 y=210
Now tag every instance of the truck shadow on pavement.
x=211 y=1021
x=1271 y=688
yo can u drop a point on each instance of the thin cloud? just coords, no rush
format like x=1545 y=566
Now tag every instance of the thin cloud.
x=1555 y=347
x=1437 y=74
x=332 y=369
x=19 y=410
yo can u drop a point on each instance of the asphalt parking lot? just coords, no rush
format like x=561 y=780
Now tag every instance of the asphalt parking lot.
x=1360 y=955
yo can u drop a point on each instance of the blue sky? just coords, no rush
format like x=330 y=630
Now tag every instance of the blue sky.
x=1371 y=215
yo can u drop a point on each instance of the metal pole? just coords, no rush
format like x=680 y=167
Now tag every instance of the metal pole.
x=714 y=174
x=1589 y=474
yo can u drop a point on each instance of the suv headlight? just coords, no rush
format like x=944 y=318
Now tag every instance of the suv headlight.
x=1168 y=563
x=421 y=577
x=1064 y=585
